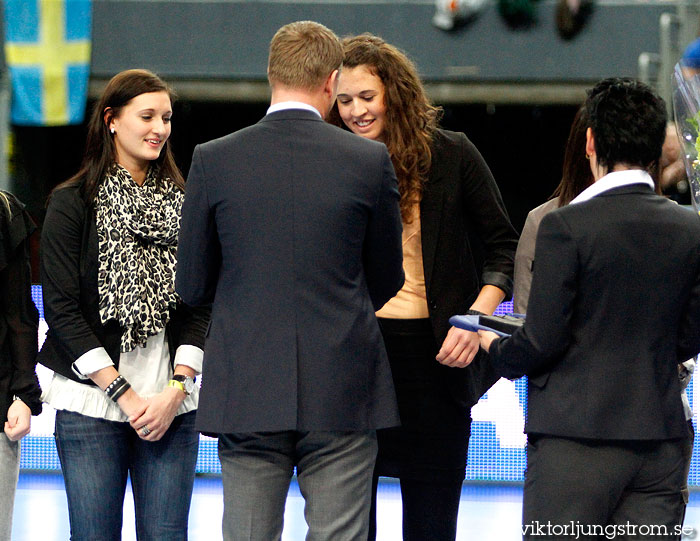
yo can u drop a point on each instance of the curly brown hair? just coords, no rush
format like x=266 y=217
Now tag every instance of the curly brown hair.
x=411 y=120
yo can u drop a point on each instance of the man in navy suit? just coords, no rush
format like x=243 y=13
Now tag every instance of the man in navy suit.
x=614 y=307
x=291 y=229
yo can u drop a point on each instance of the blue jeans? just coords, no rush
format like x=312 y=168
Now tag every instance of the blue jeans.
x=334 y=472
x=96 y=455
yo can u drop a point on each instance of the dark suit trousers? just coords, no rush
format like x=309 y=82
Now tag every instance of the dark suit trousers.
x=598 y=487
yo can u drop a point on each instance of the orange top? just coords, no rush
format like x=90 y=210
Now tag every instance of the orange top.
x=410 y=302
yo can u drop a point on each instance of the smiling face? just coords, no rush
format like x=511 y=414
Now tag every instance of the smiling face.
x=361 y=102
x=141 y=129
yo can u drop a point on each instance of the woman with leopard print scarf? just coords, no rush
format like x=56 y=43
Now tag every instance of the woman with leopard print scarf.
x=123 y=347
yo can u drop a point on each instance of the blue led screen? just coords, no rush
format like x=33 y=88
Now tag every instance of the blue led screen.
x=496 y=447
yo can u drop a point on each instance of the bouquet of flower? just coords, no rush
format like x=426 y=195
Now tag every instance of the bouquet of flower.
x=686 y=107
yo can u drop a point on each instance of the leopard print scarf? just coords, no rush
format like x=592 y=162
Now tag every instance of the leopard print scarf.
x=137 y=230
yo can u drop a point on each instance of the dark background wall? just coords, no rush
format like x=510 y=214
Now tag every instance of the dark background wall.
x=523 y=145
x=229 y=39
x=512 y=91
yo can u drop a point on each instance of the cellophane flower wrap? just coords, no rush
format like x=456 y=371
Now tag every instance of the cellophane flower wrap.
x=686 y=108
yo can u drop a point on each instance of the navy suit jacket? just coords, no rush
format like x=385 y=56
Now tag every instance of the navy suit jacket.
x=614 y=307
x=292 y=229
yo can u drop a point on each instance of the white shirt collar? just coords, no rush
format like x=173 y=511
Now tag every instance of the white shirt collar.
x=614 y=180
x=284 y=105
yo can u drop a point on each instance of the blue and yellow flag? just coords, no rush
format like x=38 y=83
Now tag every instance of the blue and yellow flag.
x=47 y=50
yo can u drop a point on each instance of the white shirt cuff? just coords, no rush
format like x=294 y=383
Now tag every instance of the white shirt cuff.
x=91 y=361
x=188 y=355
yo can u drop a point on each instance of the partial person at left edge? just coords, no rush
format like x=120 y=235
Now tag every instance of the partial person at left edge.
x=124 y=348
x=20 y=395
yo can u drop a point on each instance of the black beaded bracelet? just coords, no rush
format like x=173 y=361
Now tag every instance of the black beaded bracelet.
x=116 y=384
x=120 y=391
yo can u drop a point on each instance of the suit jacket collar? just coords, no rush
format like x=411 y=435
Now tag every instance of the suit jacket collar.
x=292 y=114
x=285 y=105
x=613 y=180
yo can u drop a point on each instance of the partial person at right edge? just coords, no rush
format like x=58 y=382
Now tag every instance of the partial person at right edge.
x=20 y=395
x=576 y=177
x=292 y=228
x=605 y=332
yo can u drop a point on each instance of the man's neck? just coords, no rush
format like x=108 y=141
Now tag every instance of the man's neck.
x=314 y=99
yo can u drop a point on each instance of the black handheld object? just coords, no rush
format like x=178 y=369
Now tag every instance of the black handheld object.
x=501 y=325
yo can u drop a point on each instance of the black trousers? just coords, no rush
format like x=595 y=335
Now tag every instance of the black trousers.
x=429 y=510
x=428 y=452
x=590 y=489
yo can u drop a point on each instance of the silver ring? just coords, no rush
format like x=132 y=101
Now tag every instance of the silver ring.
x=145 y=430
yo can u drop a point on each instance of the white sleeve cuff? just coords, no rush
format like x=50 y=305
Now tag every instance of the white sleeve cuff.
x=188 y=355
x=91 y=361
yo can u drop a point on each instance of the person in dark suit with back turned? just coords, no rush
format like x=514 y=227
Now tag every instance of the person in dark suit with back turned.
x=614 y=307
x=292 y=229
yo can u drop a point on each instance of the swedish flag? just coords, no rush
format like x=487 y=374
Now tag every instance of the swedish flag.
x=47 y=50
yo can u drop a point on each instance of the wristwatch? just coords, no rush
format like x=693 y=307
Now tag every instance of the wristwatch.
x=182 y=382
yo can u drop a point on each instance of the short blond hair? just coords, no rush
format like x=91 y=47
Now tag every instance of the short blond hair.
x=303 y=54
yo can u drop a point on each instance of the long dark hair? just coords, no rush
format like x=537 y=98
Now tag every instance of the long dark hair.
x=411 y=119
x=100 y=152
x=576 y=173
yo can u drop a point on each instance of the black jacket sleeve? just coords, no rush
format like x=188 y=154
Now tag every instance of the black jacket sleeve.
x=546 y=334
x=21 y=320
x=188 y=325
x=486 y=210
x=61 y=250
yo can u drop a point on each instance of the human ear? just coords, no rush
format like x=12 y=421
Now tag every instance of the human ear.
x=332 y=84
x=108 y=117
x=590 y=143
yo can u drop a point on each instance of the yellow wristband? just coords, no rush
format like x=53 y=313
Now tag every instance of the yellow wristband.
x=177 y=385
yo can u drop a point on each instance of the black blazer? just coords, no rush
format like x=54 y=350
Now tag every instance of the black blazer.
x=614 y=307
x=69 y=267
x=292 y=228
x=19 y=318
x=467 y=242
